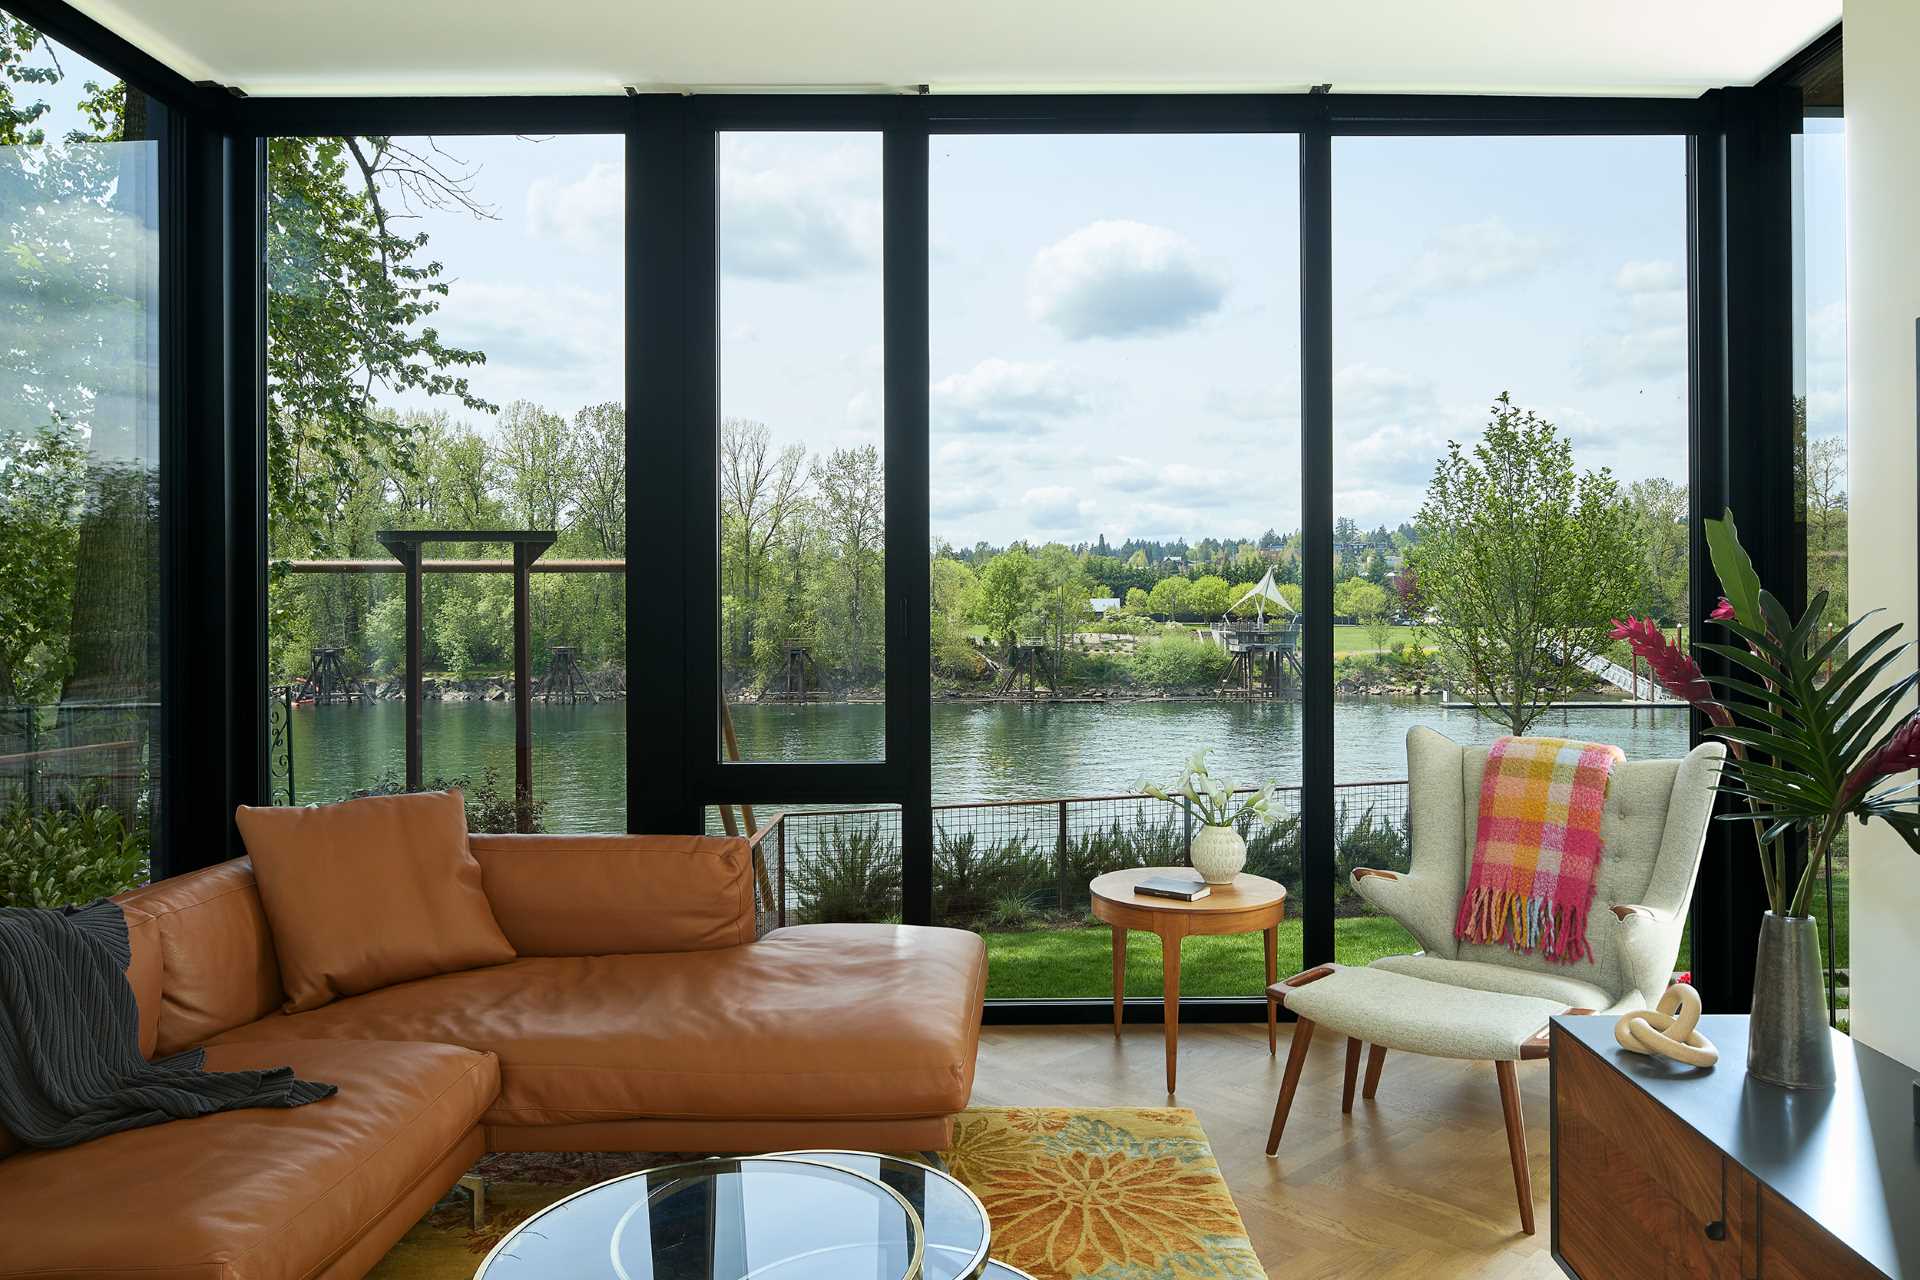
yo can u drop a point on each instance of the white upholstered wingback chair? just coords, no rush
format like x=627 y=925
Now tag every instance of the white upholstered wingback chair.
x=1653 y=829
x=1486 y=1002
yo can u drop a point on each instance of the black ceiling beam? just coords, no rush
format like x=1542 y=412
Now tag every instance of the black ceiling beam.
x=71 y=29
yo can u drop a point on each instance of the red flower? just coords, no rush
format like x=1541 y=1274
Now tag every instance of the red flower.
x=1899 y=753
x=1671 y=665
x=1723 y=612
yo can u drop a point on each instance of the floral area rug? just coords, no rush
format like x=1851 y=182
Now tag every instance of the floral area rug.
x=1105 y=1194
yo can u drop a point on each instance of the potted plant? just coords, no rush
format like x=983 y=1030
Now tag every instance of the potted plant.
x=1807 y=753
x=1219 y=850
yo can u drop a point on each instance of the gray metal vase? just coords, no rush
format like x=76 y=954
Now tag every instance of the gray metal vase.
x=1788 y=1043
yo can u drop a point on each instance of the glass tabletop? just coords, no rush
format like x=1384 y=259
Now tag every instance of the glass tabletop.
x=1001 y=1271
x=953 y=1217
x=749 y=1219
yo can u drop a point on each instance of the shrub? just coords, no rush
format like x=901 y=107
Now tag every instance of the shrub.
x=68 y=854
x=972 y=877
x=851 y=874
x=490 y=808
x=1179 y=661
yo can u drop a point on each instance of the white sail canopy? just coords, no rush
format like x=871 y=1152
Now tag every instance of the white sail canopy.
x=1266 y=590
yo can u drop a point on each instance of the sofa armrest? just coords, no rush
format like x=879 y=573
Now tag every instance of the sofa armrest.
x=1648 y=945
x=582 y=895
x=1411 y=900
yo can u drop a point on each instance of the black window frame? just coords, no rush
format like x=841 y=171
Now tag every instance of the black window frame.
x=213 y=156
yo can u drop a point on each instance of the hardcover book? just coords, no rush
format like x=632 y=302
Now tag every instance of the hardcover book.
x=1173 y=887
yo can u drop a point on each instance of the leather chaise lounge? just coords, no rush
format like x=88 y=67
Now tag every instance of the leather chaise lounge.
x=642 y=1014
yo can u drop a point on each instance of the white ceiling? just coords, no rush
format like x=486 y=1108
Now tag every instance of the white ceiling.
x=1665 y=47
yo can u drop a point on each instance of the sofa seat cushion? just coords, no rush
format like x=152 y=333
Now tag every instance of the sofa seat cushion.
x=815 y=1022
x=254 y=1194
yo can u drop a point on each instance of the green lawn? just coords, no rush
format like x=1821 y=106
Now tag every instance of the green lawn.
x=1351 y=639
x=1065 y=963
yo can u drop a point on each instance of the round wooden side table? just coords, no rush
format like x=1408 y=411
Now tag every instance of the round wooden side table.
x=1250 y=903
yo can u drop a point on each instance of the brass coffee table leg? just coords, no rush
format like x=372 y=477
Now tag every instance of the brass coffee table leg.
x=476 y=1187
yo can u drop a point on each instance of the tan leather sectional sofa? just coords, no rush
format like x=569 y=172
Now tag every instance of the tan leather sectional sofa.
x=641 y=1015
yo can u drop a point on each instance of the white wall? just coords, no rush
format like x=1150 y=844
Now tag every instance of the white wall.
x=1883 y=302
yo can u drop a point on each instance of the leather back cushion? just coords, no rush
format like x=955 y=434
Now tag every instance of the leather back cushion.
x=370 y=892
x=618 y=895
x=217 y=968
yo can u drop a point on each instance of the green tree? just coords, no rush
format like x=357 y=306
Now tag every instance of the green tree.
x=1062 y=599
x=539 y=466
x=1004 y=598
x=1138 y=602
x=1522 y=563
x=1209 y=596
x=1660 y=531
x=1169 y=596
x=851 y=509
x=1368 y=604
x=42 y=480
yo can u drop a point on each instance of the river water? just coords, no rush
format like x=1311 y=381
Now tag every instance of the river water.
x=990 y=751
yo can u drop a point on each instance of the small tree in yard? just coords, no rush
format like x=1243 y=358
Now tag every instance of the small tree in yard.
x=1521 y=563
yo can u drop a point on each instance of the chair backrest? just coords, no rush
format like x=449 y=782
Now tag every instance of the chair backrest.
x=1654 y=827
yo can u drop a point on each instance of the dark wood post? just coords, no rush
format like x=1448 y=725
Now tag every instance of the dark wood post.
x=1063 y=890
x=407 y=552
x=523 y=557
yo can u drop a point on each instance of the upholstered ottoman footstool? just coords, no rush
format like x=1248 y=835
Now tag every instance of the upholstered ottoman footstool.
x=1394 y=1011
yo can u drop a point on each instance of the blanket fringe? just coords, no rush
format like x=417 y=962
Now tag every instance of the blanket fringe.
x=1556 y=930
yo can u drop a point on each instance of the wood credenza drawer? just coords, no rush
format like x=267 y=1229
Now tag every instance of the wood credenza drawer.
x=1637 y=1193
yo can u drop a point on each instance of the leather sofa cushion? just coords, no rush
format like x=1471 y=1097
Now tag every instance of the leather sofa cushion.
x=260 y=1194
x=818 y=1021
x=218 y=968
x=370 y=892
x=557 y=895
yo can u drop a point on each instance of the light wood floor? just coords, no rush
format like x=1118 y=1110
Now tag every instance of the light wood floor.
x=1415 y=1184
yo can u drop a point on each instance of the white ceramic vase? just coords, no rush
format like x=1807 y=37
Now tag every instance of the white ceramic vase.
x=1218 y=854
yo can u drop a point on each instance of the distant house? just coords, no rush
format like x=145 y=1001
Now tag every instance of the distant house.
x=1104 y=605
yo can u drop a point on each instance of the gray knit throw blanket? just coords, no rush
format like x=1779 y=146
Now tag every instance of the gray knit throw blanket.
x=70 y=1061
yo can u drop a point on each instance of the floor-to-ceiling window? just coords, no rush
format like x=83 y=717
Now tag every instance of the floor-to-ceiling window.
x=80 y=447
x=1115 y=531
x=1510 y=458
x=445 y=352
x=1820 y=418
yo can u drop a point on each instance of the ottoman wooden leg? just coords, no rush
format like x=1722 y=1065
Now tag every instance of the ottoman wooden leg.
x=1516 y=1142
x=1353 y=1072
x=1296 y=1058
x=1376 y=1058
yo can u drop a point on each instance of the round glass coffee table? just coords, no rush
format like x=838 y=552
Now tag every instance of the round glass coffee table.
x=954 y=1219
x=762 y=1218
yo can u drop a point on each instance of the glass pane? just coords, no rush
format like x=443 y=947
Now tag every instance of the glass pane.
x=445 y=353
x=1820 y=404
x=802 y=497
x=1541 y=326
x=79 y=476
x=819 y=864
x=1115 y=475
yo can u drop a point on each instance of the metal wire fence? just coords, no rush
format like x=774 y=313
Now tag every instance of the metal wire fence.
x=1011 y=863
x=59 y=754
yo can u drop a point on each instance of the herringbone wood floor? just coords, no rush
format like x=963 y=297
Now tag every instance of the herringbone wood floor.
x=1413 y=1185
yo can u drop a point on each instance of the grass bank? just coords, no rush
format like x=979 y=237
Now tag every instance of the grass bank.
x=1059 y=964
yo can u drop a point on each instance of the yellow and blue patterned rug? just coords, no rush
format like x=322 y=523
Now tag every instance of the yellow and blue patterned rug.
x=1074 y=1194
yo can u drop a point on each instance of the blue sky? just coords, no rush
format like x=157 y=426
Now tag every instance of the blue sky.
x=1115 y=344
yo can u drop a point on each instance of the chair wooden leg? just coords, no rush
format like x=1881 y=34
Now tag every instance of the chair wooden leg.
x=1376 y=1058
x=1516 y=1142
x=1296 y=1058
x=1353 y=1072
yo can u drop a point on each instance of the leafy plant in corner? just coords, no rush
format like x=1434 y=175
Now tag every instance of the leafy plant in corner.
x=68 y=854
x=1807 y=753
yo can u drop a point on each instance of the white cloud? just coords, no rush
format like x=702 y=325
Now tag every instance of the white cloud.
x=1056 y=507
x=1365 y=393
x=1274 y=402
x=1472 y=255
x=959 y=501
x=1005 y=395
x=1120 y=279
x=1167 y=482
x=585 y=213
x=1658 y=276
x=794 y=213
x=560 y=346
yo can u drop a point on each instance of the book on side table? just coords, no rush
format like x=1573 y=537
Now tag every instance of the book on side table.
x=1173 y=887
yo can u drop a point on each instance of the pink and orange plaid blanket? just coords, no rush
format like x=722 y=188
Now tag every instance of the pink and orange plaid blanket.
x=1536 y=857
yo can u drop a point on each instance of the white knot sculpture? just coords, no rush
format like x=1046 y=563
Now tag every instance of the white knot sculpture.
x=1669 y=1031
